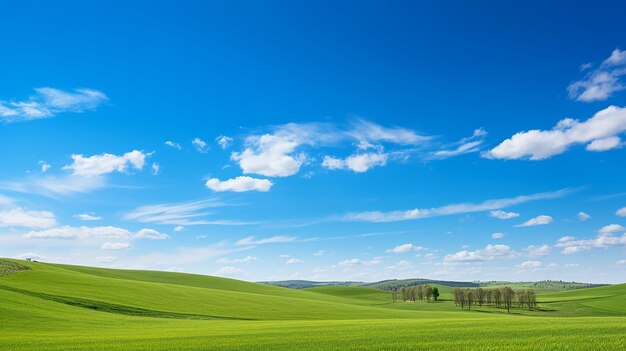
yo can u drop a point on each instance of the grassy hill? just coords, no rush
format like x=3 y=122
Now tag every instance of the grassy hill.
x=59 y=307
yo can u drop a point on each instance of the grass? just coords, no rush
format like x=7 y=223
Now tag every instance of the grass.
x=57 y=307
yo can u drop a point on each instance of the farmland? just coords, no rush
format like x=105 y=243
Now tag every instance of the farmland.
x=57 y=307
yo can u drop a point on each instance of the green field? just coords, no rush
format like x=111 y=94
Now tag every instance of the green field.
x=59 y=307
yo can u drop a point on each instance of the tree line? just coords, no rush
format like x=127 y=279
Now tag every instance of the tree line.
x=414 y=293
x=500 y=298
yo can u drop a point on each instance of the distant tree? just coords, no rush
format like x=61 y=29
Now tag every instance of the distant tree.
x=412 y=293
x=489 y=296
x=428 y=292
x=435 y=292
x=420 y=292
x=404 y=293
x=480 y=296
x=394 y=294
x=497 y=297
x=508 y=295
x=531 y=299
x=459 y=297
x=521 y=298
x=469 y=297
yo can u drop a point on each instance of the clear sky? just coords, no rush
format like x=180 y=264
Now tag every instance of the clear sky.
x=324 y=140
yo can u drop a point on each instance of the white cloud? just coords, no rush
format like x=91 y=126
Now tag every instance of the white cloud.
x=463 y=146
x=44 y=166
x=404 y=248
x=115 y=246
x=529 y=265
x=239 y=184
x=489 y=253
x=582 y=216
x=539 y=220
x=358 y=163
x=600 y=83
x=106 y=163
x=294 y=261
x=503 y=214
x=19 y=217
x=68 y=232
x=179 y=228
x=48 y=102
x=88 y=217
x=354 y=262
x=155 y=168
x=280 y=153
x=150 y=234
x=611 y=228
x=173 y=144
x=401 y=266
x=621 y=263
x=181 y=214
x=497 y=235
x=621 y=212
x=250 y=240
x=224 y=141
x=378 y=216
x=200 y=145
x=229 y=271
x=538 y=250
x=601 y=131
x=246 y=259
x=31 y=255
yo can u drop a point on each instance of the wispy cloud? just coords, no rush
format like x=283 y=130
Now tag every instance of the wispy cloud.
x=48 y=102
x=394 y=216
x=602 y=82
x=182 y=214
x=250 y=240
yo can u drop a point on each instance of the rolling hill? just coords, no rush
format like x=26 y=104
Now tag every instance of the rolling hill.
x=60 y=307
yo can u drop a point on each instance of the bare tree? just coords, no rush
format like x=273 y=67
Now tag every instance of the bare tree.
x=459 y=297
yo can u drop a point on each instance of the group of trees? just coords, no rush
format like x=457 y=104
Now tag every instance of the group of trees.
x=416 y=292
x=500 y=298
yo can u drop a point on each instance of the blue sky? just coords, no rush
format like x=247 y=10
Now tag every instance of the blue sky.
x=352 y=141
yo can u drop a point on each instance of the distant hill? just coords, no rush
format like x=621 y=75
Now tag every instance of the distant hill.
x=305 y=284
x=398 y=283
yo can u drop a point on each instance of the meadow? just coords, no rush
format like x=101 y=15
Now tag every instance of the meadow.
x=59 y=307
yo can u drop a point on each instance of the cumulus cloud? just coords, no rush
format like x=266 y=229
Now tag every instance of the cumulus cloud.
x=503 y=214
x=611 y=228
x=44 y=166
x=48 y=102
x=229 y=271
x=358 y=163
x=497 y=235
x=538 y=250
x=404 y=248
x=571 y=245
x=489 y=253
x=281 y=152
x=155 y=168
x=98 y=165
x=601 y=83
x=462 y=208
x=250 y=240
x=19 y=217
x=116 y=246
x=150 y=234
x=400 y=266
x=239 y=184
x=539 y=220
x=88 y=217
x=621 y=212
x=224 y=141
x=600 y=133
x=582 y=216
x=200 y=145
